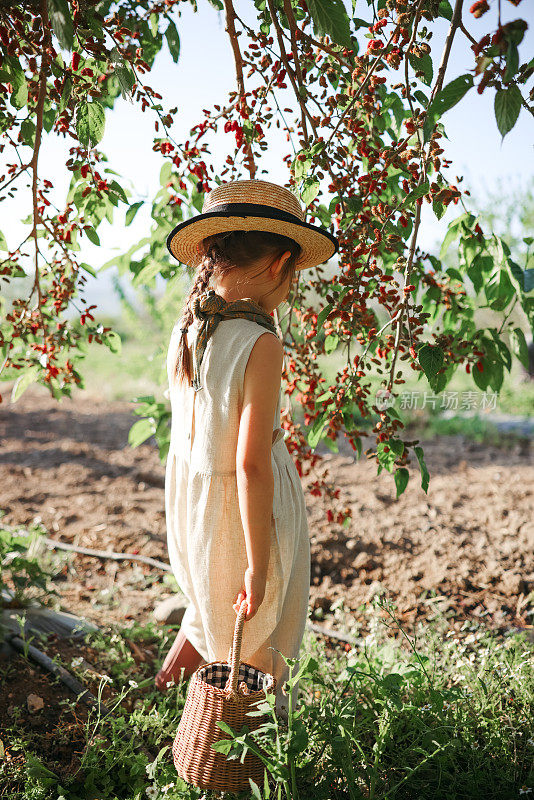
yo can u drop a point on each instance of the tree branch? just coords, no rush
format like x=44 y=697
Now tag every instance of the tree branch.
x=230 y=28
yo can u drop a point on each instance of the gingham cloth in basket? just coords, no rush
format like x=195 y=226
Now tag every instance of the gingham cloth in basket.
x=217 y=675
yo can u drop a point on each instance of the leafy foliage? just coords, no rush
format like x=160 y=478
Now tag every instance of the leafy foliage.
x=22 y=576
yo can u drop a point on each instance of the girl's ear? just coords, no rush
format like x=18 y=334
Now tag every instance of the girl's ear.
x=278 y=263
x=285 y=256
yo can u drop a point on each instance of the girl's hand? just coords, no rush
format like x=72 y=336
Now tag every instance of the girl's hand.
x=254 y=592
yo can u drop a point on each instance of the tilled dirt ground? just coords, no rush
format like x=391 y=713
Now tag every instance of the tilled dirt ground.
x=466 y=547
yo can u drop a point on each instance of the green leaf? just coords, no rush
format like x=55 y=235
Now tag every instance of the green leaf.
x=329 y=17
x=147 y=273
x=482 y=379
x=501 y=349
x=90 y=122
x=173 y=41
x=387 y=457
x=35 y=769
x=512 y=62
x=300 y=167
x=49 y=117
x=507 y=108
x=423 y=64
x=516 y=274
x=438 y=208
x=310 y=190
x=449 y=96
x=480 y=265
x=422 y=466
x=89 y=269
x=492 y=375
x=454 y=273
x=59 y=13
x=223 y=745
x=318 y=147
x=396 y=446
x=153 y=23
x=255 y=789
x=438 y=382
x=316 y=429
x=92 y=235
x=140 y=431
x=15 y=76
x=132 y=211
x=519 y=346
x=331 y=342
x=224 y=726
x=528 y=308
x=419 y=191
x=126 y=80
x=421 y=96
x=453 y=232
x=431 y=359
x=499 y=289
x=113 y=340
x=445 y=9
x=28 y=377
x=323 y=313
x=528 y=280
x=393 y=413
x=27 y=129
x=65 y=92
x=325 y=396
x=117 y=189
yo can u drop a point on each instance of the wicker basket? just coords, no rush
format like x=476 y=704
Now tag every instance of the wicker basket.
x=221 y=691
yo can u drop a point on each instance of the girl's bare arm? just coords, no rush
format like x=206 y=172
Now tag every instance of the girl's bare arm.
x=255 y=481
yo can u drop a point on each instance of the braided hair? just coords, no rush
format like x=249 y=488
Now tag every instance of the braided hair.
x=223 y=252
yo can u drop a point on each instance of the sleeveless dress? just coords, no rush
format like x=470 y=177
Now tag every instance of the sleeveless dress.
x=205 y=536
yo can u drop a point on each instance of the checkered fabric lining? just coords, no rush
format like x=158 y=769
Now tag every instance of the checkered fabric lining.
x=217 y=675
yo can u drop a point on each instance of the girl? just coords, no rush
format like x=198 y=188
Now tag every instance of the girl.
x=235 y=509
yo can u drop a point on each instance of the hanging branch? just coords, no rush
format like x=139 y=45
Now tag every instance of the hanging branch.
x=43 y=73
x=230 y=28
x=283 y=57
x=303 y=35
x=455 y=23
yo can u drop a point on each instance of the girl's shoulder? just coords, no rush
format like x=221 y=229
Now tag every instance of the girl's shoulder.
x=231 y=342
x=241 y=334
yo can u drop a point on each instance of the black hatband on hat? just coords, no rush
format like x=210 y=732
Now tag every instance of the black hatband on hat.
x=253 y=210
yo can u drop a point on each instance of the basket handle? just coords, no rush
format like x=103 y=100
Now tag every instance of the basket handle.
x=235 y=651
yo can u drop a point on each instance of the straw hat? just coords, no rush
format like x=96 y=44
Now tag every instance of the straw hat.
x=252 y=205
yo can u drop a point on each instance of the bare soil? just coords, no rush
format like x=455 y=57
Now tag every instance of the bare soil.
x=466 y=547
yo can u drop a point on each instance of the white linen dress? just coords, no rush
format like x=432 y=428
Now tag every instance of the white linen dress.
x=205 y=536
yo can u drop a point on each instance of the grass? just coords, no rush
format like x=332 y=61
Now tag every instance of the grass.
x=476 y=429
x=442 y=714
x=138 y=369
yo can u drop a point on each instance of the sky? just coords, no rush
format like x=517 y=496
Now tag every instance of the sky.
x=205 y=74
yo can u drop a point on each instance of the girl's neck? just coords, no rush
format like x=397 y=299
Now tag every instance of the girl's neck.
x=244 y=291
